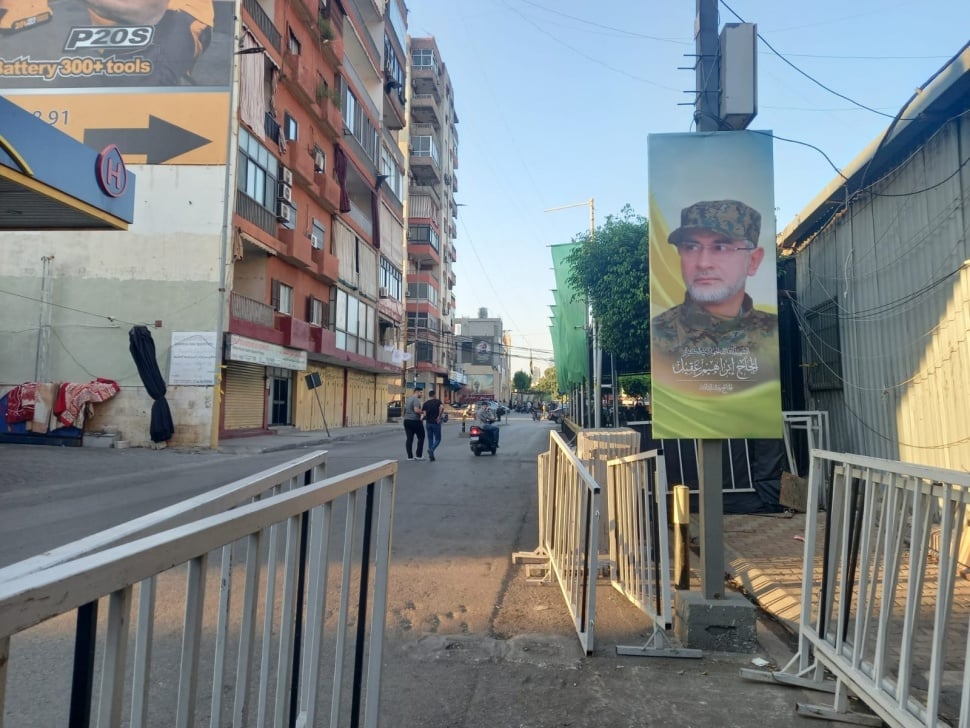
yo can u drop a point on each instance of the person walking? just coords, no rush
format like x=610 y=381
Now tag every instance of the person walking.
x=432 y=422
x=412 y=425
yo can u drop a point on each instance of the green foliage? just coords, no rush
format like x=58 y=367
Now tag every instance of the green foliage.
x=637 y=385
x=613 y=271
x=521 y=381
x=547 y=383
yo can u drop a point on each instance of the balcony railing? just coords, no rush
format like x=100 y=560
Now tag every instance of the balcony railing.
x=249 y=209
x=264 y=23
x=249 y=309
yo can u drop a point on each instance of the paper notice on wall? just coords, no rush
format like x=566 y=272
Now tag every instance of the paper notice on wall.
x=193 y=358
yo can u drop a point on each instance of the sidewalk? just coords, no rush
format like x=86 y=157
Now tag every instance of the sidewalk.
x=293 y=439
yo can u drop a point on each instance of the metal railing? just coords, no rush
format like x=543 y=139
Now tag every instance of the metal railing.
x=639 y=544
x=286 y=556
x=882 y=610
x=248 y=309
x=569 y=533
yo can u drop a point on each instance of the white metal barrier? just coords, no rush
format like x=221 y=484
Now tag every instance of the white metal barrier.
x=882 y=609
x=288 y=555
x=569 y=516
x=639 y=544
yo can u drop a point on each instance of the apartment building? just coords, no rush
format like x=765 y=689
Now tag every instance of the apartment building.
x=432 y=215
x=483 y=356
x=267 y=252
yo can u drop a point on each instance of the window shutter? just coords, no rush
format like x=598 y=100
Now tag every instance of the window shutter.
x=274 y=296
x=309 y=309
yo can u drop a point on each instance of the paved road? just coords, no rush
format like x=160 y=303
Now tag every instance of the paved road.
x=470 y=642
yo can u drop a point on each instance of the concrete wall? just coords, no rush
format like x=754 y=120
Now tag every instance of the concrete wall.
x=164 y=268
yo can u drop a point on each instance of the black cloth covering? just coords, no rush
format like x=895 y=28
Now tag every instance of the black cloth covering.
x=142 y=348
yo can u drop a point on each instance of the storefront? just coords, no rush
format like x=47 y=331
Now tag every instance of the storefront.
x=259 y=384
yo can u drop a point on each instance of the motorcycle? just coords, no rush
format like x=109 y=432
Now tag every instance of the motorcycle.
x=480 y=440
x=536 y=415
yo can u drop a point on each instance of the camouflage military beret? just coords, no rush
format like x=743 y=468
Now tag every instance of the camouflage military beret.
x=728 y=217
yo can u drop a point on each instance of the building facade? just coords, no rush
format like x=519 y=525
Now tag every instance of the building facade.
x=267 y=251
x=483 y=356
x=432 y=215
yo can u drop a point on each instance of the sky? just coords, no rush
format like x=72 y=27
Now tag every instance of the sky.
x=555 y=99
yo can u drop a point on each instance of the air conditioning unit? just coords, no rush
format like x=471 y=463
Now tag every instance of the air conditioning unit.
x=316 y=242
x=285 y=192
x=382 y=292
x=319 y=161
x=284 y=213
x=287 y=176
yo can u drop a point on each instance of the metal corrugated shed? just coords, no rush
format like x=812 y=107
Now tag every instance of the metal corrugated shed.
x=887 y=250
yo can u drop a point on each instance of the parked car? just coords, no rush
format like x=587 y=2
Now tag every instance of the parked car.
x=394 y=409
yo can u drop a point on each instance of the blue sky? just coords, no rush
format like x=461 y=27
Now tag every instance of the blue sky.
x=555 y=99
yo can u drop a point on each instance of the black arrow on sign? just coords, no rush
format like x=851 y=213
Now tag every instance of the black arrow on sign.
x=161 y=141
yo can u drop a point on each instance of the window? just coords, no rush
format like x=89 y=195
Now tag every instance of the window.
x=317 y=235
x=824 y=348
x=398 y=23
x=314 y=311
x=353 y=323
x=290 y=127
x=425 y=146
x=423 y=292
x=356 y=120
x=423 y=58
x=292 y=43
x=282 y=297
x=395 y=175
x=424 y=351
x=423 y=322
x=423 y=234
x=391 y=279
x=257 y=171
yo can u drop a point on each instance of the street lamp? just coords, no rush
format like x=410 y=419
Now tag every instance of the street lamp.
x=597 y=364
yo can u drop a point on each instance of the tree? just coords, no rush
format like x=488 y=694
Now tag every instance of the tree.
x=613 y=272
x=635 y=386
x=547 y=383
x=521 y=382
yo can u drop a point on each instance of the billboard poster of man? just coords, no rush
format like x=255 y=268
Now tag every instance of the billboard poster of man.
x=713 y=289
x=483 y=352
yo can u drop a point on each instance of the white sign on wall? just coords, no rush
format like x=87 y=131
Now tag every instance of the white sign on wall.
x=239 y=348
x=193 y=358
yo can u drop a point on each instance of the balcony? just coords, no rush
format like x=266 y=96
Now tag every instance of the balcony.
x=426 y=80
x=329 y=112
x=295 y=248
x=296 y=332
x=249 y=317
x=451 y=279
x=300 y=161
x=264 y=23
x=248 y=209
x=326 y=265
x=328 y=190
x=300 y=77
x=424 y=109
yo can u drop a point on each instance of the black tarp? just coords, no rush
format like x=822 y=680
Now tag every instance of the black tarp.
x=754 y=491
x=142 y=348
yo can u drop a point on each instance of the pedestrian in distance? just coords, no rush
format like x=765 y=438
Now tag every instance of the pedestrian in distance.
x=412 y=425
x=433 y=410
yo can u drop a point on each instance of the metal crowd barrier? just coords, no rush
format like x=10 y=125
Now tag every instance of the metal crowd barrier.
x=882 y=609
x=281 y=556
x=639 y=543
x=569 y=516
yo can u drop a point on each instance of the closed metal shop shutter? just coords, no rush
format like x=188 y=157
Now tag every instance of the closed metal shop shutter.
x=245 y=396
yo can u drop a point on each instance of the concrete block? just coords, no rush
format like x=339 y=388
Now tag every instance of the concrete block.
x=717 y=625
x=98 y=439
x=794 y=492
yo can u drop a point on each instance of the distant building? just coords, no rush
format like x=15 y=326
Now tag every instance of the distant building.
x=483 y=347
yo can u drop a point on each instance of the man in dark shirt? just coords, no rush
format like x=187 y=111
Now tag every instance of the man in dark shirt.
x=412 y=425
x=432 y=422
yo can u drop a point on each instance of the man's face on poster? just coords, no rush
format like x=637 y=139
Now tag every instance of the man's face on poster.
x=715 y=268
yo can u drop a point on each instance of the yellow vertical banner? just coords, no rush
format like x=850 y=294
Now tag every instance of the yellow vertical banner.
x=713 y=288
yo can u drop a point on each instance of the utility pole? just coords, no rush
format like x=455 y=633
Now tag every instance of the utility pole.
x=711 y=502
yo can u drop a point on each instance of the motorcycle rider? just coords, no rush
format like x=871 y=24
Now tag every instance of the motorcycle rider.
x=487 y=418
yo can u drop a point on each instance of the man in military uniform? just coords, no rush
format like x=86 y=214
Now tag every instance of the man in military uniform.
x=716 y=342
